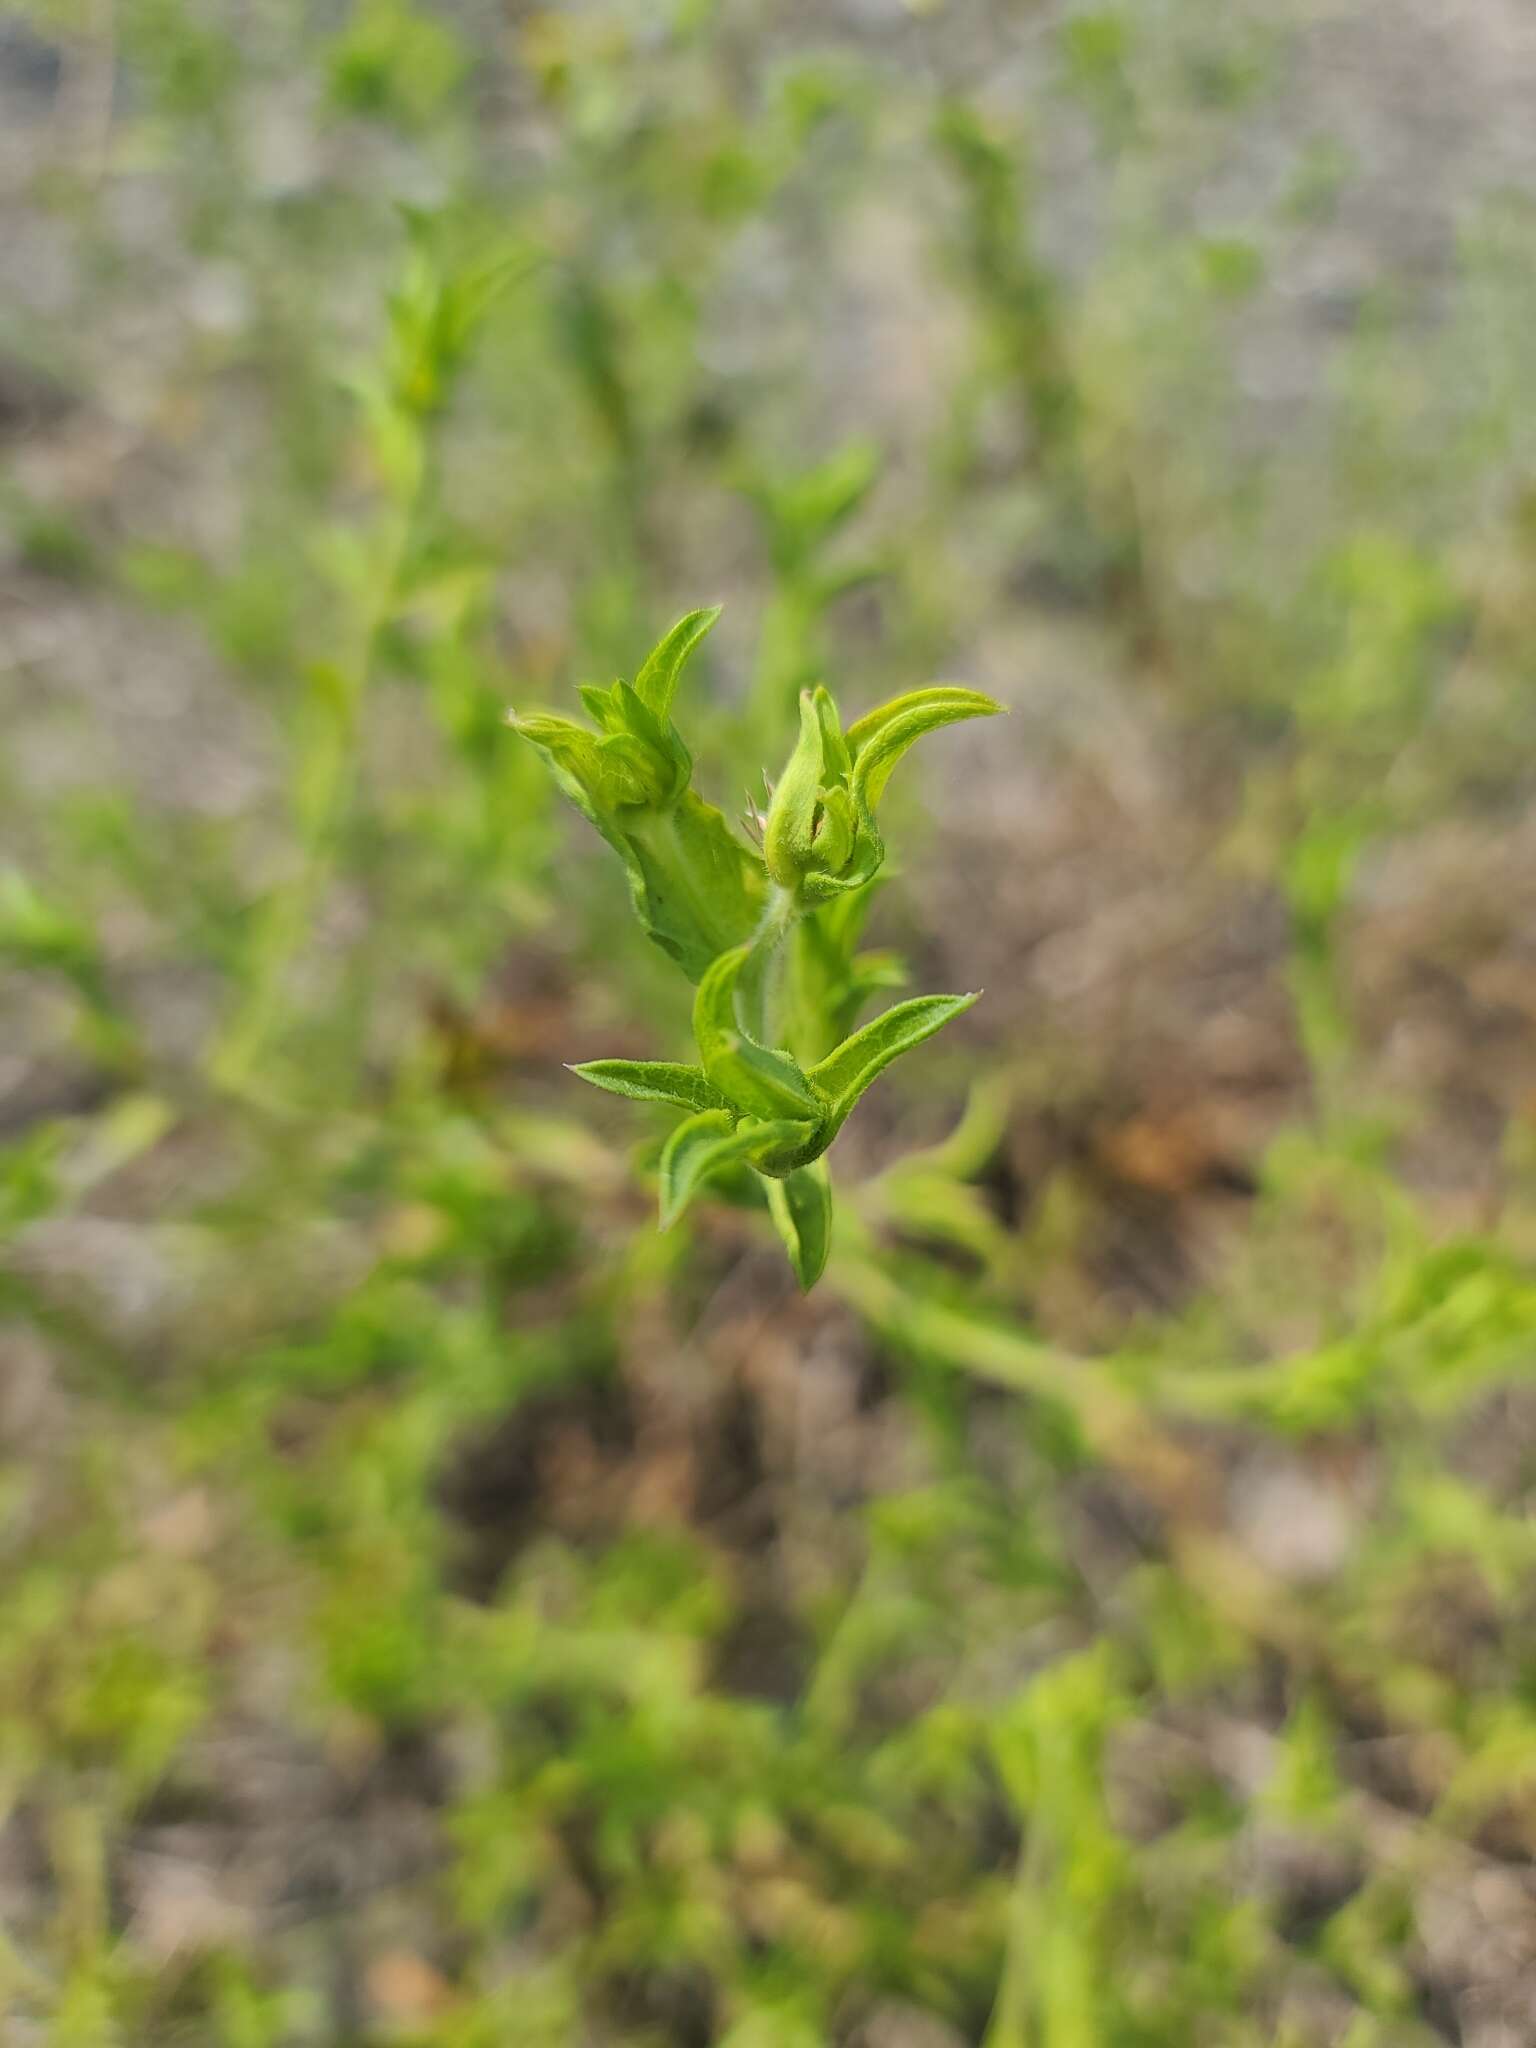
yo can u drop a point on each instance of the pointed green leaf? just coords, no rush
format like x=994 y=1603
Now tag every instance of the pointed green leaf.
x=809 y=508
x=708 y=1143
x=791 y=823
x=844 y=1074
x=878 y=740
x=558 y=737
x=653 y=1081
x=801 y=1207
x=757 y=1080
x=600 y=776
x=660 y=739
x=658 y=676
x=600 y=706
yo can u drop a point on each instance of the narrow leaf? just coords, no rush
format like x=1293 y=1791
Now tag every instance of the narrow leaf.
x=844 y=1074
x=658 y=676
x=653 y=1081
x=550 y=732
x=864 y=729
x=878 y=741
x=708 y=1143
x=801 y=1207
x=757 y=1080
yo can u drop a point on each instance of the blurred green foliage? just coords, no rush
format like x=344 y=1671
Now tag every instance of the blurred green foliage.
x=465 y=1581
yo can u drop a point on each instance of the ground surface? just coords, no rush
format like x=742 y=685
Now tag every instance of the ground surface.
x=437 y=1608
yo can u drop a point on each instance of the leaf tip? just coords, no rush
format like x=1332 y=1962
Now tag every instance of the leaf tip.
x=983 y=705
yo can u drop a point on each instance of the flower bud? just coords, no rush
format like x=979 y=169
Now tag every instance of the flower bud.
x=814 y=836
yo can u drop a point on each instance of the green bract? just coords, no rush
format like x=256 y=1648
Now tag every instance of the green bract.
x=770 y=939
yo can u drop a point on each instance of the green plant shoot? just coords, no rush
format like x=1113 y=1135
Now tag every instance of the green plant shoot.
x=769 y=937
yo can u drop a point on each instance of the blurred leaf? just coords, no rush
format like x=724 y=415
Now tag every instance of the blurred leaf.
x=395 y=62
x=801 y=1206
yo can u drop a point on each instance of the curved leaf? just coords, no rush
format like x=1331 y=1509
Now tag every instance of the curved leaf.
x=653 y=1081
x=878 y=740
x=801 y=1207
x=757 y=1080
x=658 y=675
x=844 y=1074
x=706 y=1144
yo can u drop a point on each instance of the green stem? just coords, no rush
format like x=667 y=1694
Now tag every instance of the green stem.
x=326 y=772
x=1009 y=2025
